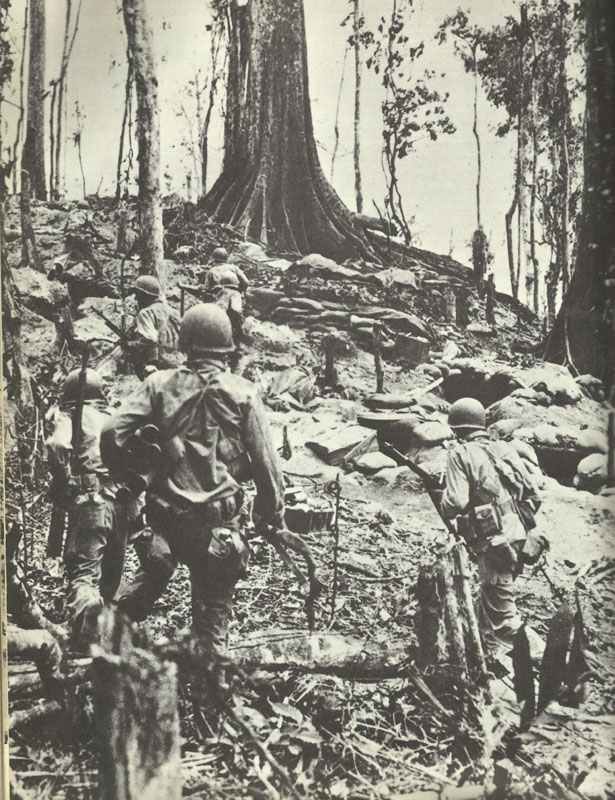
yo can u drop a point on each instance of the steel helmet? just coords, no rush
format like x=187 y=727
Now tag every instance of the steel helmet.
x=206 y=328
x=94 y=387
x=219 y=255
x=148 y=285
x=467 y=413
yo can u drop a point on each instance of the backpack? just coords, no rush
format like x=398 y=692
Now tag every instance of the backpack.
x=517 y=479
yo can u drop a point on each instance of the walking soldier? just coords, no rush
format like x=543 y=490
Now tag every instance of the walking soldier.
x=152 y=344
x=492 y=492
x=97 y=522
x=212 y=435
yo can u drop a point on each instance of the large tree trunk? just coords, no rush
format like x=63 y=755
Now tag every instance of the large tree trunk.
x=140 y=45
x=34 y=148
x=588 y=308
x=272 y=186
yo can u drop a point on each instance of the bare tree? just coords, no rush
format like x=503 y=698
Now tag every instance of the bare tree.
x=126 y=123
x=140 y=45
x=356 y=24
x=336 y=127
x=33 y=157
x=22 y=64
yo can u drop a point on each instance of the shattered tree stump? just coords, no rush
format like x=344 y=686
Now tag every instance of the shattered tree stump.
x=449 y=645
x=137 y=718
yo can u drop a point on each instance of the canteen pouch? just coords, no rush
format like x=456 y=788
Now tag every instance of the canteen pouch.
x=487 y=522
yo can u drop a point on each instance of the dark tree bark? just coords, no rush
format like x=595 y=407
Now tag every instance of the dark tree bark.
x=140 y=44
x=34 y=147
x=272 y=186
x=587 y=313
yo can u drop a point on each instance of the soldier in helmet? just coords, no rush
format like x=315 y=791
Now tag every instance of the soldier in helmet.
x=97 y=523
x=153 y=342
x=213 y=436
x=226 y=285
x=491 y=491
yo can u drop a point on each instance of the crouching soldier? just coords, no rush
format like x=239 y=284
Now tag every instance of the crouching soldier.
x=492 y=493
x=97 y=523
x=213 y=435
x=152 y=343
x=226 y=284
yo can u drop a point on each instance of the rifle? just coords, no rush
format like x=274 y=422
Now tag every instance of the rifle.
x=428 y=482
x=284 y=540
x=116 y=329
x=57 y=525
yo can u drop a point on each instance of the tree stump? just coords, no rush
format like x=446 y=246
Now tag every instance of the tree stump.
x=137 y=718
x=446 y=625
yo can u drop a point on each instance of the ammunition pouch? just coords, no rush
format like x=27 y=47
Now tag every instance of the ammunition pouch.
x=163 y=514
x=482 y=523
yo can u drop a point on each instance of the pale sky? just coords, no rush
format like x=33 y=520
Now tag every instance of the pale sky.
x=437 y=179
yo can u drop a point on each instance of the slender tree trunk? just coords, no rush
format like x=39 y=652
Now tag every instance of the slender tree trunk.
x=22 y=65
x=69 y=43
x=336 y=126
x=34 y=150
x=588 y=312
x=522 y=132
x=356 y=16
x=52 y=109
x=120 y=154
x=533 y=280
x=272 y=186
x=140 y=43
x=213 y=89
x=477 y=138
x=512 y=267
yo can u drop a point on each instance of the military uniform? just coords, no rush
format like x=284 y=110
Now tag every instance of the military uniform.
x=97 y=522
x=226 y=285
x=154 y=338
x=213 y=435
x=472 y=480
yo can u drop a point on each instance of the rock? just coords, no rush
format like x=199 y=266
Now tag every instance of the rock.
x=557 y=383
x=591 y=473
x=394 y=276
x=591 y=387
x=370 y=463
x=279 y=264
x=333 y=445
x=411 y=349
x=394 y=477
x=304 y=303
x=480 y=329
x=269 y=337
x=560 y=450
x=316 y=265
x=37 y=292
x=430 y=369
x=264 y=300
x=430 y=434
x=251 y=250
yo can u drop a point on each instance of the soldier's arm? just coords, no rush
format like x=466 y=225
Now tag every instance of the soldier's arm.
x=135 y=411
x=266 y=470
x=457 y=491
x=59 y=452
x=242 y=278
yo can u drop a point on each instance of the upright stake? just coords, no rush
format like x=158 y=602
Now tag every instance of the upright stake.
x=336 y=546
x=610 y=466
x=377 y=341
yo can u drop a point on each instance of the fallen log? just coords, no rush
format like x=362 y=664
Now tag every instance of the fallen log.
x=327 y=654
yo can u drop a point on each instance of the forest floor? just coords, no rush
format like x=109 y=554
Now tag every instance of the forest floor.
x=338 y=737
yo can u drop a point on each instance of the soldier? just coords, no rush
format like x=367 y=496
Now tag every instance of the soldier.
x=153 y=342
x=225 y=284
x=97 y=522
x=213 y=435
x=492 y=492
